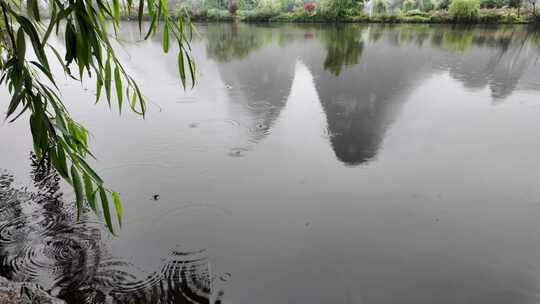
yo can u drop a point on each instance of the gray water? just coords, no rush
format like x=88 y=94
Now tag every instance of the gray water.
x=310 y=164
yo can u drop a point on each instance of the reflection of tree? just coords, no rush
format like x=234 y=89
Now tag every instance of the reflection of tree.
x=375 y=33
x=344 y=45
x=457 y=40
x=227 y=41
x=42 y=242
x=366 y=98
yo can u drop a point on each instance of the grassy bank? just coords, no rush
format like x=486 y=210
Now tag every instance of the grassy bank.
x=484 y=16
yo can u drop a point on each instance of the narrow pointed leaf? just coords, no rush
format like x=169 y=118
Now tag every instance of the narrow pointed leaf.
x=118 y=207
x=118 y=85
x=108 y=81
x=89 y=191
x=77 y=186
x=105 y=207
x=165 y=41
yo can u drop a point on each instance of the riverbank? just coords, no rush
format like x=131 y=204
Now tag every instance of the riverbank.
x=485 y=16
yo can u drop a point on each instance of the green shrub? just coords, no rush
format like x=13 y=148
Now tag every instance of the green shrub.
x=416 y=12
x=269 y=7
x=257 y=16
x=391 y=18
x=333 y=9
x=427 y=5
x=441 y=17
x=355 y=10
x=215 y=14
x=286 y=17
x=380 y=6
x=464 y=10
x=515 y=3
x=491 y=17
x=409 y=5
x=443 y=5
x=511 y=17
x=493 y=3
x=417 y=19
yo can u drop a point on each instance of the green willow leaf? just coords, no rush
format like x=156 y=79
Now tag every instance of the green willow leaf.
x=140 y=14
x=165 y=41
x=62 y=162
x=118 y=207
x=191 y=71
x=35 y=10
x=118 y=85
x=105 y=207
x=108 y=80
x=77 y=186
x=21 y=46
x=181 y=68
x=99 y=86
x=89 y=191
x=34 y=38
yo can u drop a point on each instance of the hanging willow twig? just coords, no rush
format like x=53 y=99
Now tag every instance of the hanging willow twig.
x=57 y=138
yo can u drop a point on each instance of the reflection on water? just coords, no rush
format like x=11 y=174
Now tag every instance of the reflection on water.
x=314 y=163
x=362 y=92
x=41 y=241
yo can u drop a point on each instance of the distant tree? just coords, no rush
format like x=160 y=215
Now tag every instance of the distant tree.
x=464 y=10
x=532 y=7
x=232 y=7
x=516 y=4
x=381 y=6
x=408 y=5
x=443 y=5
x=310 y=7
x=427 y=5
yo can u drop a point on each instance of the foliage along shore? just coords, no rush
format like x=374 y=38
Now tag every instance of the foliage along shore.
x=488 y=16
x=482 y=16
x=363 y=11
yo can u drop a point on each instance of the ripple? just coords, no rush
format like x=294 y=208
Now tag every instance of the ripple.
x=226 y=121
x=42 y=242
x=183 y=279
x=262 y=105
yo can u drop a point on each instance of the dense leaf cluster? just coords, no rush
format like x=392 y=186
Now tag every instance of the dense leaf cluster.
x=86 y=27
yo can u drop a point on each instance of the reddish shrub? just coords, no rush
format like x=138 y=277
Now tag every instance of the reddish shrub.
x=310 y=7
x=233 y=7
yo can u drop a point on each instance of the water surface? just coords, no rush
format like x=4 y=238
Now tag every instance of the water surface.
x=310 y=164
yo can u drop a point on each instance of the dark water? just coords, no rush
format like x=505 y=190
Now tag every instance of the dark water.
x=311 y=164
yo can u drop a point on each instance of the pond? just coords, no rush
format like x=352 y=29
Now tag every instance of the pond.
x=310 y=164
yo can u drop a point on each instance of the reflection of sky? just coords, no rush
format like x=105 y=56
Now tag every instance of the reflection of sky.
x=443 y=209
